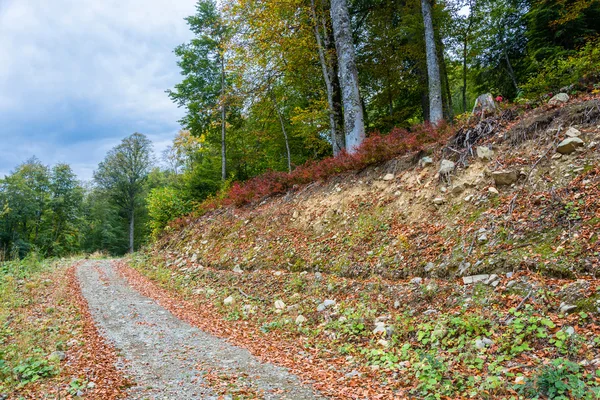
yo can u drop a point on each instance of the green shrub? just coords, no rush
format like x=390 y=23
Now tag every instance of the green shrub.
x=562 y=379
x=164 y=205
x=582 y=70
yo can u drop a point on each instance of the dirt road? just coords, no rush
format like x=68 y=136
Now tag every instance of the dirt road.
x=170 y=359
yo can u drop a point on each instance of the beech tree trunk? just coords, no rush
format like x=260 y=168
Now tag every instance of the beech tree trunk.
x=285 y=136
x=329 y=65
x=223 y=124
x=354 y=124
x=131 y=230
x=436 y=112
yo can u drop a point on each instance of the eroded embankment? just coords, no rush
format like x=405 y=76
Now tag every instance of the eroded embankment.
x=401 y=281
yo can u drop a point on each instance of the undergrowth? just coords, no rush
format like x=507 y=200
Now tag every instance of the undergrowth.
x=36 y=322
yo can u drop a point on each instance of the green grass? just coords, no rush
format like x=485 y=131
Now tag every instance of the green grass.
x=36 y=319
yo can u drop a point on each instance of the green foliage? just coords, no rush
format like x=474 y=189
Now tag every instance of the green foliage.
x=33 y=369
x=561 y=380
x=580 y=70
x=42 y=210
x=164 y=205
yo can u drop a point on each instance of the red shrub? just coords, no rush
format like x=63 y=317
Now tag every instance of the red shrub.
x=375 y=149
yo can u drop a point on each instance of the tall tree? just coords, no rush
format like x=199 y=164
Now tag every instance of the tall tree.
x=204 y=89
x=329 y=65
x=354 y=125
x=433 y=69
x=123 y=173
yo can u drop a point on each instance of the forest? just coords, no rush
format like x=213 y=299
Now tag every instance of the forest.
x=274 y=92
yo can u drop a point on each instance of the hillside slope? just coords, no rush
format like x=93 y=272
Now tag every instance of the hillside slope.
x=466 y=272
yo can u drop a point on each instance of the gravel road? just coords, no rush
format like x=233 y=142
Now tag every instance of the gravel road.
x=168 y=358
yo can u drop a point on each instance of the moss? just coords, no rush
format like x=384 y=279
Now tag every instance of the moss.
x=590 y=304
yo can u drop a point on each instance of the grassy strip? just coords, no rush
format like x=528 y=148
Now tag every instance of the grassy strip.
x=46 y=348
x=433 y=343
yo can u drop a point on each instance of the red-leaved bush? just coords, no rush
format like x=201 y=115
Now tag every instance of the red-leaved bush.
x=375 y=149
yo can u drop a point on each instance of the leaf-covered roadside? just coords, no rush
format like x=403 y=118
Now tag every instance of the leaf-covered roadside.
x=49 y=346
x=425 y=338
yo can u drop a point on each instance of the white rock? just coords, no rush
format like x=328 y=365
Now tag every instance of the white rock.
x=468 y=280
x=560 y=98
x=572 y=132
x=383 y=342
x=569 y=145
x=446 y=167
x=483 y=343
x=388 y=177
x=493 y=278
x=438 y=201
x=416 y=281
x=326 y=304
x=300 y=319
x=238 y=270
x=520 y=380
x=280 y=305
x=567 y=308
x=379 y=328
x=485 y=153
x=493 y=191
x=229 y=301
x=329 y=303
x=569 y=330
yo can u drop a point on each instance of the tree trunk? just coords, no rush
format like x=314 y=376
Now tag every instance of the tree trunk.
x=464 y=88
x=285 y=136
x=433 y=69
x=223 y=123
x=131 y=229
x=332 y=83
x=354 y=125
x=511 y=72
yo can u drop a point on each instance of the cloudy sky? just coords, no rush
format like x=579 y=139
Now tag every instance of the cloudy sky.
x=76 y=76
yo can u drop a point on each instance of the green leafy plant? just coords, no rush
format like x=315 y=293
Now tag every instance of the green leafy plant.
x=32 y=369
x=561 y=380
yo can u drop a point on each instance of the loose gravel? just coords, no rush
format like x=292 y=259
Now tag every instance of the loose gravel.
x=170 y=359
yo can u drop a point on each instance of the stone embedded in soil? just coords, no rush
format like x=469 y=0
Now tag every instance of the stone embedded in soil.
x=560 y=98
x=379 y=328
x=572 y=132
x=483 y=343
x=425 y=161
x=567 y=308
x=504 y=177
x=229 y=301
x=238 y=270
x=325 y=305
x=300 y=319
x=485 y=153
x=493 y=191
x=446 y=167
x=438 y=201
x=57 y=356
x=280 y=305
x=569 y=145
x=389 y=177
x=468 y=280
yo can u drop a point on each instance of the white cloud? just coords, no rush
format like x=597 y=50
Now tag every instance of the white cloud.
x=74 y=63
